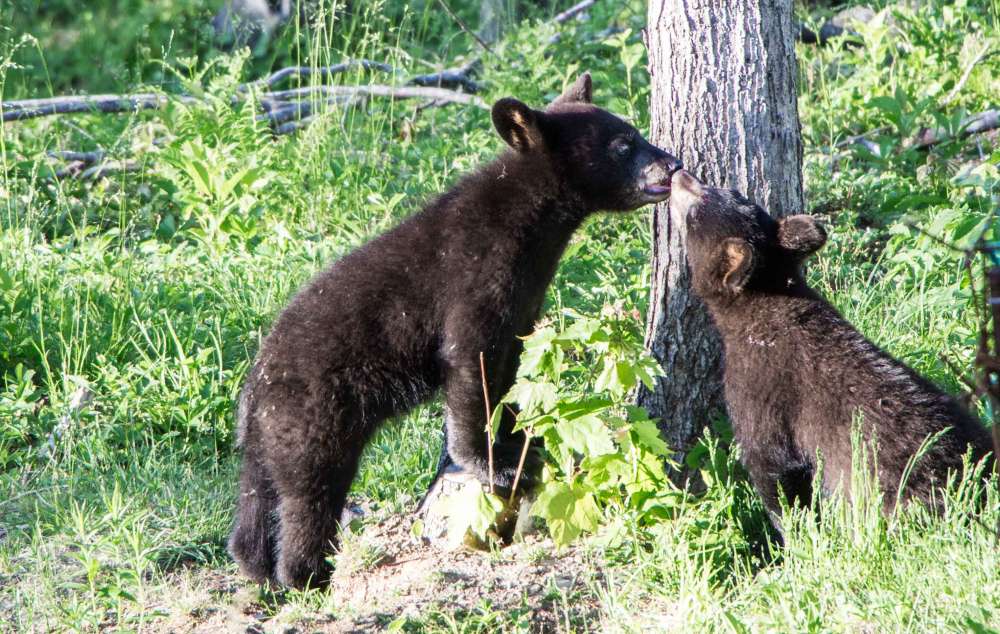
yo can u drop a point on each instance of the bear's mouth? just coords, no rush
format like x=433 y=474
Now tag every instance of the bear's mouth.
x=657 y=191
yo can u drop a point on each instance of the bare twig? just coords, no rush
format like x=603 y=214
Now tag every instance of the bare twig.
x=489 y=425
x=520 y=461
x=520 y=467
x=983 y=54
x=465 y=27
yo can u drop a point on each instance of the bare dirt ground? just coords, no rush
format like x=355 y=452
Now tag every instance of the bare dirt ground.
x=385 y=576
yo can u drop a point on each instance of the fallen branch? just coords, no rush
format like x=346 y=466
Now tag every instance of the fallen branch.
x=32 y=108
x=451 y=78
x=80 y=169
x=573 y=11
x=973 y=124
x=84 y=157
x=926 y=137
x=323 y=72
x=441 y=95
x=289 y=112
x=285 y=111
x=294 y=126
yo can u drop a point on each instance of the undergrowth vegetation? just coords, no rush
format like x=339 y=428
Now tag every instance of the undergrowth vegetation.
x=131 y=306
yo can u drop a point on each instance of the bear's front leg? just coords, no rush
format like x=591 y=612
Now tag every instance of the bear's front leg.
x=465 y=426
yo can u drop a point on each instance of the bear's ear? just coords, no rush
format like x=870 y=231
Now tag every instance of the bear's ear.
x=734 y=262
x=801 y=234
x=518 y=124
x=580 y=91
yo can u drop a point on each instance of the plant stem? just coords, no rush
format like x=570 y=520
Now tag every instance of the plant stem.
x=489 y=427
x=520 y=467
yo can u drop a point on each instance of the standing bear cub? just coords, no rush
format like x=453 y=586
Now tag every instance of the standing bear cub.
x=387 y=325
x=797 y=374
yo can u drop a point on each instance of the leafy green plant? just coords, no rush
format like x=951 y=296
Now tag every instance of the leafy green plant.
x=600 y=452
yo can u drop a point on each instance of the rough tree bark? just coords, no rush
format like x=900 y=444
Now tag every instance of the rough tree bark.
x=724 y=100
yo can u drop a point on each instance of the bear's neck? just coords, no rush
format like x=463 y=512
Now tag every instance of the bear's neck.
x=518 y=215
x=760 y=314
x=528 y=188
x=524 y=201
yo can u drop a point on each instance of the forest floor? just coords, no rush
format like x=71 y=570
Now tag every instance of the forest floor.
x=384 y=575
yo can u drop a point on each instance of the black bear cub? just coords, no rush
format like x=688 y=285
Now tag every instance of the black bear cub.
x=798 y=375
x=387 y=325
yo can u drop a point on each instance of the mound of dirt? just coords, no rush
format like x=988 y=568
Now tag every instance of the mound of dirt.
x=385 y=574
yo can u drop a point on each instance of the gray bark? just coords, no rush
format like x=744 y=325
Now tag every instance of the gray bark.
x=724 y=101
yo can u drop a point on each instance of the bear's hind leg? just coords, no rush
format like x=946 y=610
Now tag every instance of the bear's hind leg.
x=252 y=541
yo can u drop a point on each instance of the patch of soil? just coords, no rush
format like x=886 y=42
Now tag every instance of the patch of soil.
x=384 y=573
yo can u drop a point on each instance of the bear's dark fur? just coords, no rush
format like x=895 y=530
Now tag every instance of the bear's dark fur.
x=387 y=325
x=798 y=375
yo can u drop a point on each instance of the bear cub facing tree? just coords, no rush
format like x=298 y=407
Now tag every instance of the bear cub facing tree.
x=389 y=324
x=797 y=375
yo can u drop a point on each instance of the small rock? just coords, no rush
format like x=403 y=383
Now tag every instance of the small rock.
x=351 y=515
x=564 y=582
x=846 y=21
x=433 y=513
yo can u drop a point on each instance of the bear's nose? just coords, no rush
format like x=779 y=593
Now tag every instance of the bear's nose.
x=687 y=190
x=674 y=164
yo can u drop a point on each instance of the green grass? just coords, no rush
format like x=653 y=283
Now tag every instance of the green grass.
x=151 y=290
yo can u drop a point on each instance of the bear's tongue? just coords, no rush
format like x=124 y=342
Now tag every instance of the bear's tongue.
x=657 y=190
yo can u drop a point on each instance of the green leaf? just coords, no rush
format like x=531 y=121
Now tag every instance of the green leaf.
x=495 y=419
x=541 y=355
x=582 y=330
x=606 y=378
x=568 y=510
x=533 y=397
x=645 y=433
x=471 y=509
x=586 y=435
x=575 y=408
x=626 y=376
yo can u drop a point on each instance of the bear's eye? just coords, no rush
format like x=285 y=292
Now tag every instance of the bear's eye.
x=621 y=148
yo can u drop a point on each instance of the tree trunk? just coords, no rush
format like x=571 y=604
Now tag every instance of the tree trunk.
x=724 y=101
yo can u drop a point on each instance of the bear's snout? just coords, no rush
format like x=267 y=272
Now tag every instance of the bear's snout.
x=687 y=191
